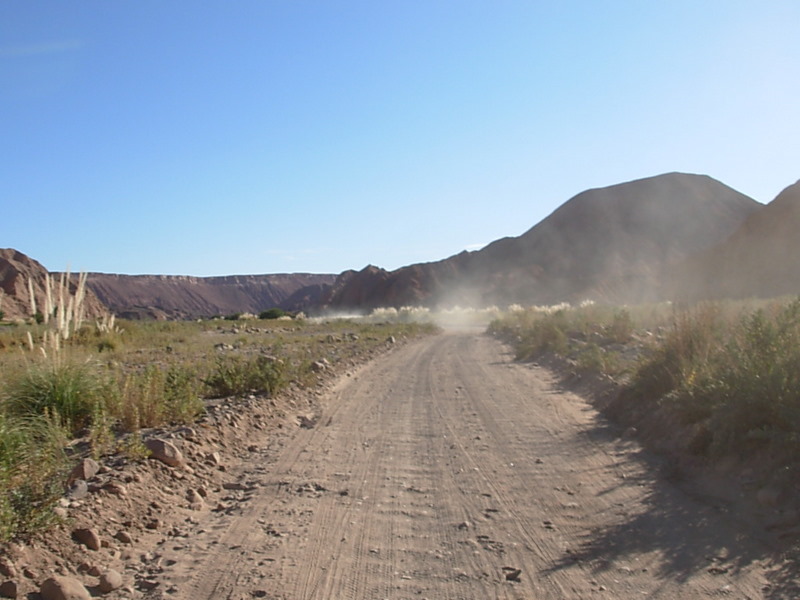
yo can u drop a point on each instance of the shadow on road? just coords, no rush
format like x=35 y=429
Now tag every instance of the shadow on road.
x=692 y=532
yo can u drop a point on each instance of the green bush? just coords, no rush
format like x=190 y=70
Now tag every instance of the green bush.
x=182 y=390
x=739 y=378
x=237 y=375
x=273 y=313
x=32 y=470
x=547 y=334
x=65 y=390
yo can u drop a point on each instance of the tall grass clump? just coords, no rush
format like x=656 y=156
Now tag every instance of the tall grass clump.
x=66 y=390
x=155 y=397
x=33 y=466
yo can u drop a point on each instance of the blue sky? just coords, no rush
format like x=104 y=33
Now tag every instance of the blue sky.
x=210 y=138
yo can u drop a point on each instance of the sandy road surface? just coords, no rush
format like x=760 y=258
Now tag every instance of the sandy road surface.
x=438 y=469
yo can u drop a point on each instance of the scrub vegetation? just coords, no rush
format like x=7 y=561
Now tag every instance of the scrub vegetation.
x=728 y=370
x=101 y=383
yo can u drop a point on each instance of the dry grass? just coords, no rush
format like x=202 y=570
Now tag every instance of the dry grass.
x=105 y=379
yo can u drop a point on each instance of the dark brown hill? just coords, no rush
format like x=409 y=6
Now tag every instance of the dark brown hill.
x=180 y=297
x=16 y=269
x=759 y=260
x=614 y=243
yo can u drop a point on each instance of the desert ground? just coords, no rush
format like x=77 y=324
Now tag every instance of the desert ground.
x=445 y=470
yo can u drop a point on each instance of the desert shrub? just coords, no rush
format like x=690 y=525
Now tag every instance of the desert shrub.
x=547 y=334
x=233 y=317
x=272 y=313
x=683 y=354
x=621 y=328
x=182 y=391
x=156 y=397
x=66 y=390
x=236 y=375
x=32 y=470
x=751 y=392
x=595 y=359
x=738 y=377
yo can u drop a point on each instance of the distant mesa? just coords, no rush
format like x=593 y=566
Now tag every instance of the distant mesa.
x=16 y=269
x=675 y=236
x=182 y=297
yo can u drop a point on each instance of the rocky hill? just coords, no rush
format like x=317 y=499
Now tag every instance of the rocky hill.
x=180 y=297
x=16 y=269
x=614 y=244
x=759 y=260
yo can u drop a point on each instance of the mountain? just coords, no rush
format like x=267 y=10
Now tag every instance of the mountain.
x=16 y=269
x=613 y=244
x=180 y=297
x=759 y=260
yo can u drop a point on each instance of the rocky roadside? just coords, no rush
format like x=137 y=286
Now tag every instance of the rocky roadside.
x=118 y=513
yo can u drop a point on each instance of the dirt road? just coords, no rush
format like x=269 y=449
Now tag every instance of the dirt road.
x=444 y=470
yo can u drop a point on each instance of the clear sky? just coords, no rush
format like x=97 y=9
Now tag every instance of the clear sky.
x=211 y=138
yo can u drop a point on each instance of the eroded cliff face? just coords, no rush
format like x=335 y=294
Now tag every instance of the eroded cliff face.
x=615 y=244
x=180 y=297
x=16 y=269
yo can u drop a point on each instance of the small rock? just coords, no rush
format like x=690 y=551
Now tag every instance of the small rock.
x=165 y=451
x=124 y=537
x=93 y=570
x=86 y=469
x=147 y=584
x=214 y=458
x=116 y=488
x=88 y=537
x=154 y=524
x=235 y=485
x=30 y=573
x=7 y=567
x=8 y=589
x=306 y=422
x=511 y=573
x=63 y=588
x=79 y=489
x=110 y=581
x=196 y=501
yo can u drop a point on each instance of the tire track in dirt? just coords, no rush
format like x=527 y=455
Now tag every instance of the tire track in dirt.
x=435 y=468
